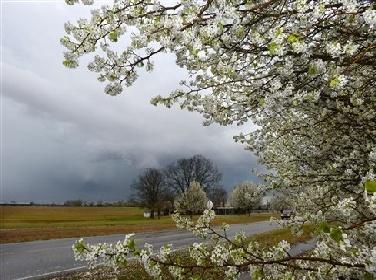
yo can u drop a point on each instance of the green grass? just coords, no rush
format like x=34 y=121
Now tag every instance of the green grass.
x=27 y=223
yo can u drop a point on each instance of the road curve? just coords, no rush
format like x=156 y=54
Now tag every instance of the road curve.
x=33 y=260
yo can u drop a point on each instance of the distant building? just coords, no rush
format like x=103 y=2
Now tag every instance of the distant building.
x=226 y=210
x=147 y=213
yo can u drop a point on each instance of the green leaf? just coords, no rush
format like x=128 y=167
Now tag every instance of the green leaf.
x=312 y=70
x=370 y=186
x=195 y=52
x=67 y=63
x=70 y=63
x=132 y=244
x=279 y=31
x=334 y=82
x=272 y=47
x=240 y=32
x=368 y=276
x=137 y=252
x=113 y=36
x=257 y=274
x=324 y=227
x=292 y=38
x=261 y=101
x=79 y=246
x=112 y=77
x=336 y=234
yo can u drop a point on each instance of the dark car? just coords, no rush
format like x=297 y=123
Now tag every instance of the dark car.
x=286 y=214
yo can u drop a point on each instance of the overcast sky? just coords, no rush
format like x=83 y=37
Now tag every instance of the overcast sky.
x=63 y=138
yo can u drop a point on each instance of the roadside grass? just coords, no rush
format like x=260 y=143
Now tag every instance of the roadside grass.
x=272 y=237
x=134 y=270
x=28 y=223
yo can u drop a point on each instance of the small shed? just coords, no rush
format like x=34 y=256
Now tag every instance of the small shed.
x=147 y=213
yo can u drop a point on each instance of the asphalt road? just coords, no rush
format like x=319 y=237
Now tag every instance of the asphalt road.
x=32 y=260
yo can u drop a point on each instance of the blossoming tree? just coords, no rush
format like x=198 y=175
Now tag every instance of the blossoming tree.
x=304 y=72
x=280 y=200
x=192 y=201
x=246 y=196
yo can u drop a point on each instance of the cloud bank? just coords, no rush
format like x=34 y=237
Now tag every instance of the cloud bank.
x=63 y=138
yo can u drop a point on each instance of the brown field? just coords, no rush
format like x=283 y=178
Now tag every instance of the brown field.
x=27 y=223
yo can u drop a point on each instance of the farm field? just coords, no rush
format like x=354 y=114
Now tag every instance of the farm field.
x=27 y=223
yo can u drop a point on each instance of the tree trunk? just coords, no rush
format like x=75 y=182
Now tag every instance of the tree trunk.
x=151 y=214
x=159 y=214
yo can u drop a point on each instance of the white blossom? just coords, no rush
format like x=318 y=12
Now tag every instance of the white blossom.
x=334 y=48
x=302 y=73
x=193 y=200
x=370 y=17
x=246 y=196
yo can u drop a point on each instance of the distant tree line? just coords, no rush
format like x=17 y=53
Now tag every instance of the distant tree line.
x=77 y=203
x=101 y=203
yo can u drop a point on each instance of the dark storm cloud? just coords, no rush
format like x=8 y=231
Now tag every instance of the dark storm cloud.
x=63 y=138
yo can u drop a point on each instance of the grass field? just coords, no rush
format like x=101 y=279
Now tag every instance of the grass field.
x=27 y=223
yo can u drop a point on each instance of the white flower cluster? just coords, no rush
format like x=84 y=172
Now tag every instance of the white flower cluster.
x=200 y=228
x=231 y=273
x=199 y=252
x=303 y=73
x=334 y=48
x=220 y=254
x=370 y=18
x=113 y=254
x=351 y=6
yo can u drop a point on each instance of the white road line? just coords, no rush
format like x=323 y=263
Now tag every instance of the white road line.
x=51 y=273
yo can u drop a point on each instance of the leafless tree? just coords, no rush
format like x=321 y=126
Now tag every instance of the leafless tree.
x=151 y=190
x=218 y=195
x=198 y=169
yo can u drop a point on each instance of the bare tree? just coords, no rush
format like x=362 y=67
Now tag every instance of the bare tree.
x=198 y=169
x=151 y=190
x=218 y=195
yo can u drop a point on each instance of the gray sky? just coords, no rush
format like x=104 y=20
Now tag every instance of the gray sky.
x=63 y=138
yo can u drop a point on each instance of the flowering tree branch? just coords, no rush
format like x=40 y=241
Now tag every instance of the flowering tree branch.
x=302 y=71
